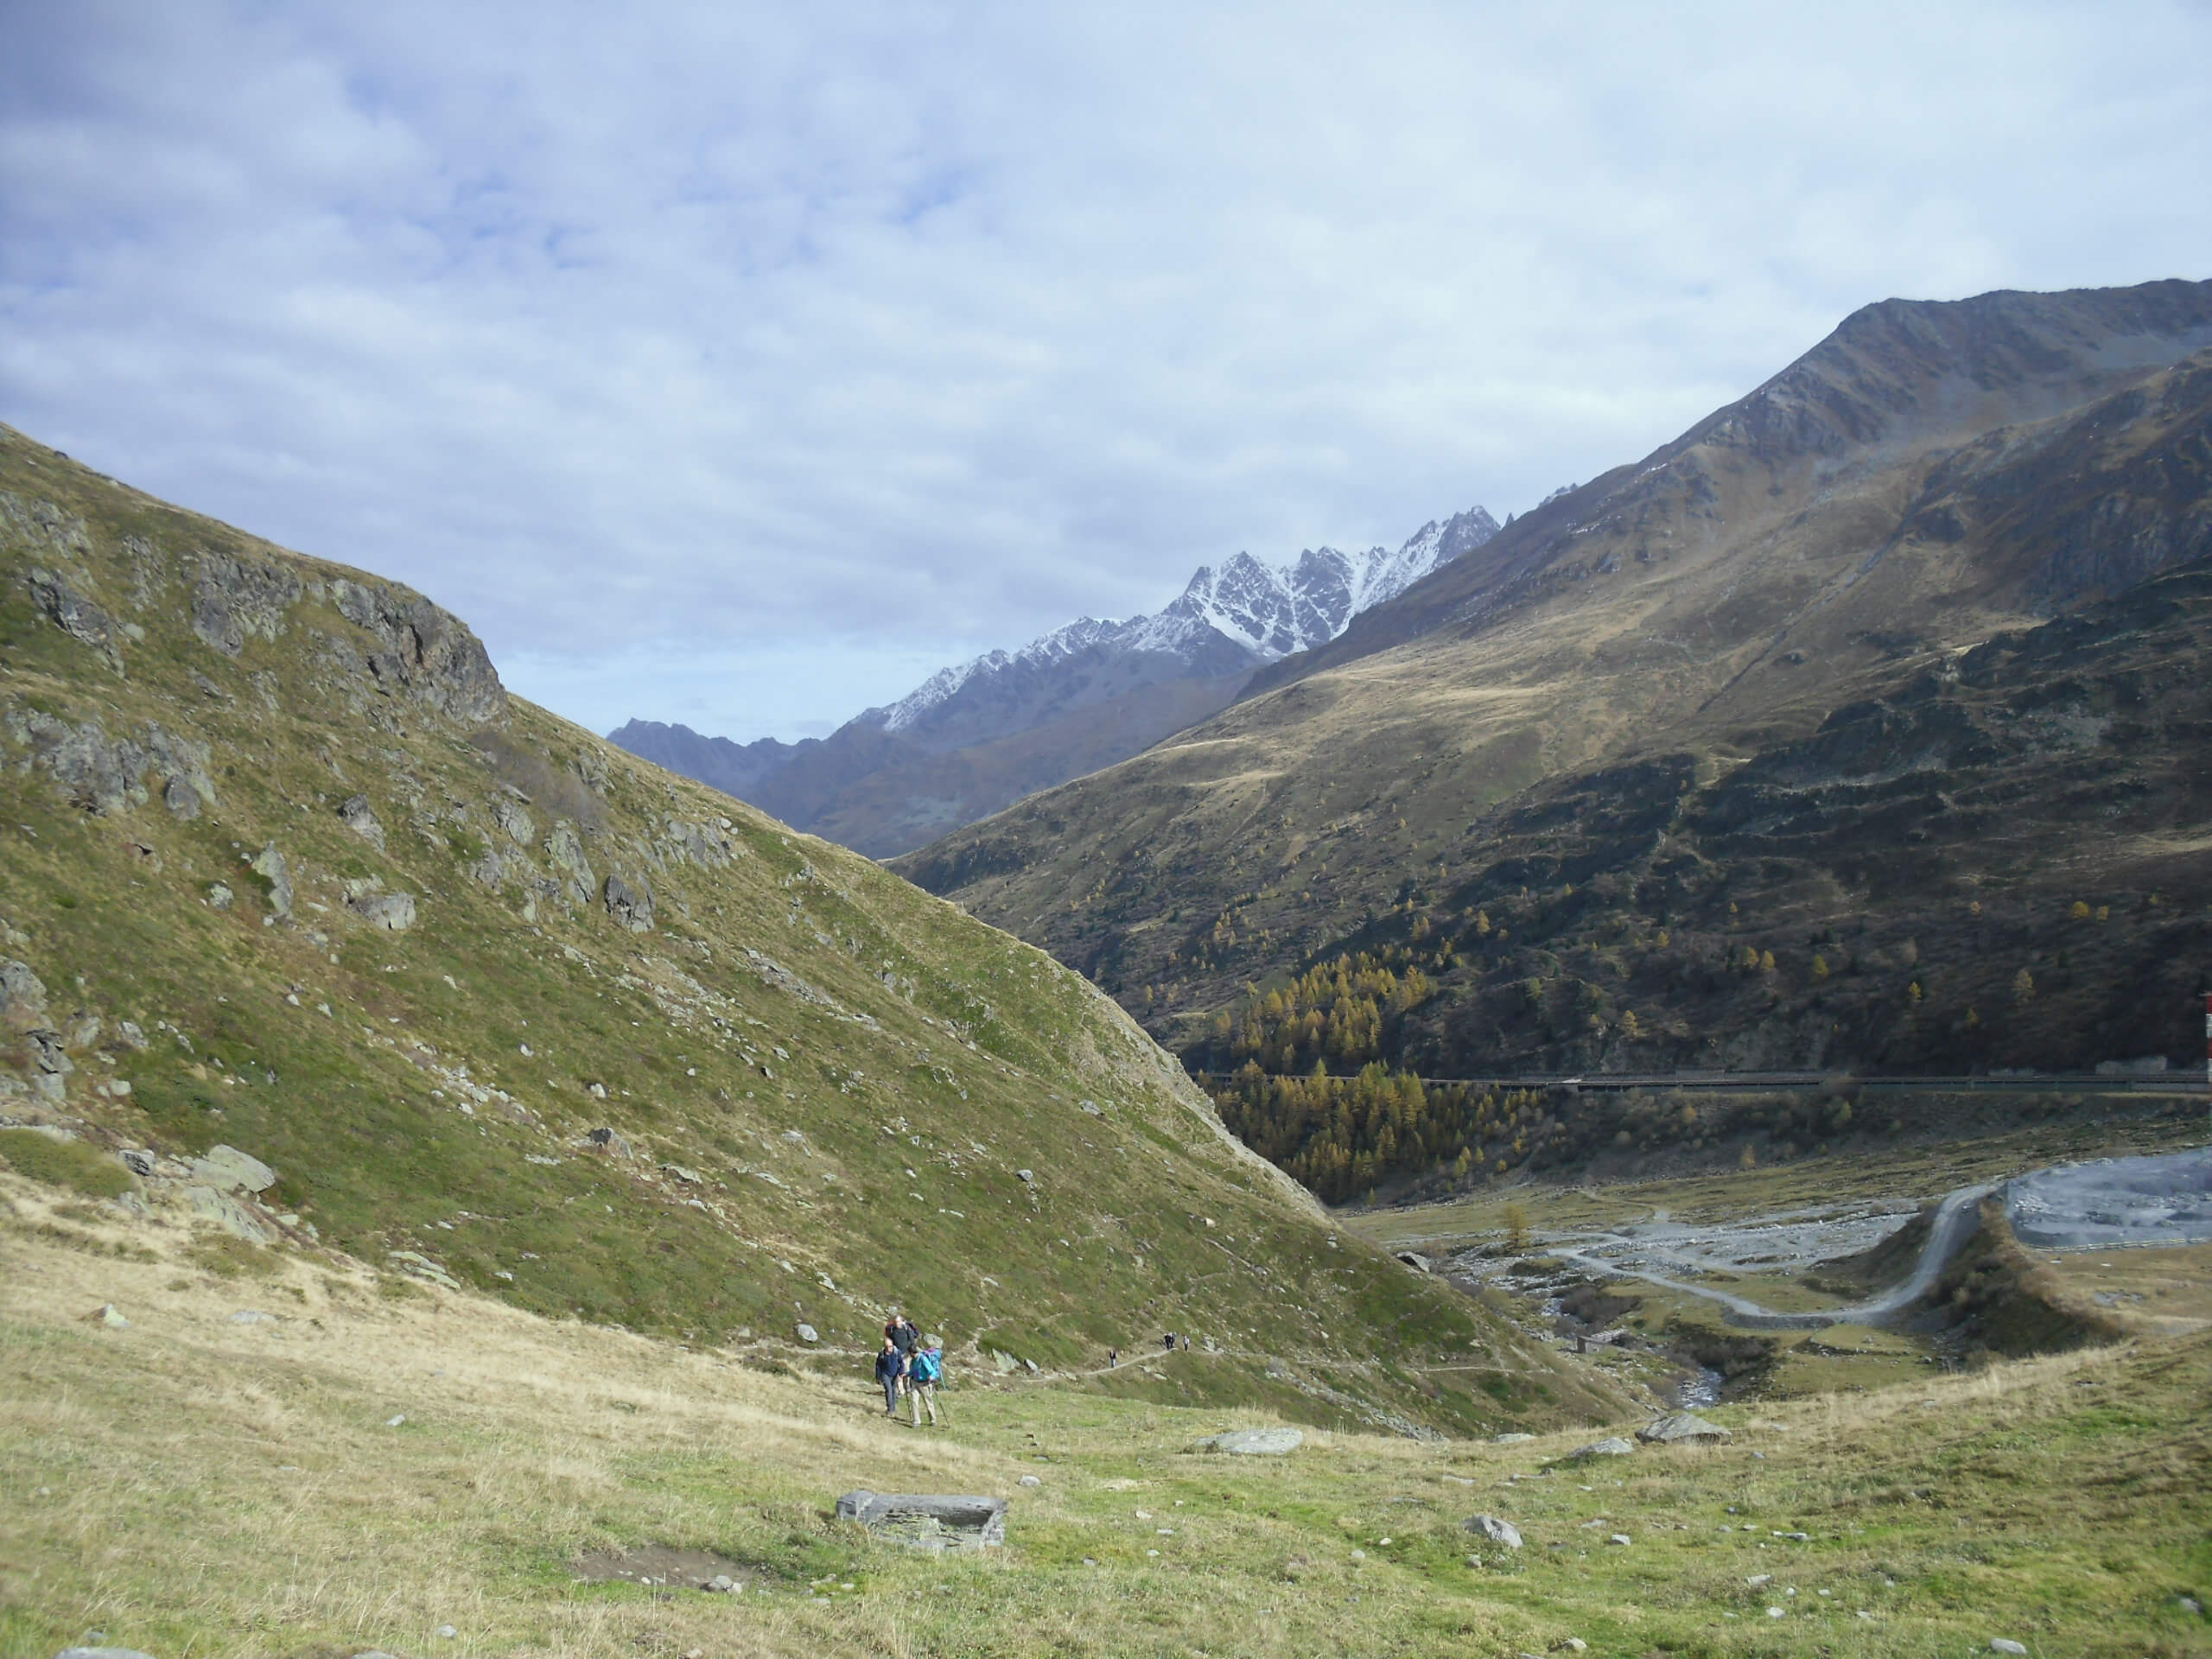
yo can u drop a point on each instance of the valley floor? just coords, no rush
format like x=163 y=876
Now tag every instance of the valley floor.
x=372 y=1461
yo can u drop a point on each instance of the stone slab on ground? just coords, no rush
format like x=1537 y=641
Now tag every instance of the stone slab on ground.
x=1612 y=1447
x=928 y=1521
x=1681 y=1428
x=228 y=1170
x=1256 y=1442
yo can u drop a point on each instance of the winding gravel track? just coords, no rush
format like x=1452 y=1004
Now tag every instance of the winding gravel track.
x=1957 y=1216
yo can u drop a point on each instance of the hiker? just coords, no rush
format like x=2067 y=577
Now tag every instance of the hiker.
x=889 y=1365
x=908 y=1336
x=1167 y=1342
x=1186 y=1342
x=924 y=1371
x=1113 y=1358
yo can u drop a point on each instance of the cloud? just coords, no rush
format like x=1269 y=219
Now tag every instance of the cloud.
x=832 y=336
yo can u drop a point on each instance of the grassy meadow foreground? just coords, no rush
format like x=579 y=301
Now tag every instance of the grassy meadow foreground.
x=377 y=1459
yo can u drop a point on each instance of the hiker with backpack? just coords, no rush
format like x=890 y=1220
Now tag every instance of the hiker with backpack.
x=890 y=1366
x=925 y=1371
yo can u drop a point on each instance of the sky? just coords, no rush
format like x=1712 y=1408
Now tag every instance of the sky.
x=739 y=366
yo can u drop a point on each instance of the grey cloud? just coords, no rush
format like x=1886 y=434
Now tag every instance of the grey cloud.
x=696 y=339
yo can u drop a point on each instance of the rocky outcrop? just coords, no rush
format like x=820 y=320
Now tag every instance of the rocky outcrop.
x=269 y=864
x=427 y=654
x=630 y=904
x=22 y=994
x=60 y=603
x=235 y=600
x=393 y=911
x=104 y=775
x=565 y=849
x=360 y=817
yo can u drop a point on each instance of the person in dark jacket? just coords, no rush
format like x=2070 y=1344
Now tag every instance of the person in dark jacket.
x=890 y=1366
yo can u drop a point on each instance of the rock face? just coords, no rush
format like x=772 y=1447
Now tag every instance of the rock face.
x=1498 y=1531
x=234 y=600
x=1683 y=1428
x=270 y=865
x=921 y=1522
x=75 y=615
x=1256 y=1442
x=22 y=994
x=428 y=654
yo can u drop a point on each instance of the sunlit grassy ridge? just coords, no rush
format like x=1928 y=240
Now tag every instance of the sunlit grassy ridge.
x=835 y=1091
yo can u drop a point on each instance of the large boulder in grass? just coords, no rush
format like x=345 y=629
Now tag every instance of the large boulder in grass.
x=1683 y=1428
x=1611 y=1446
x=1256 y=1442
x=1498 y=1531
x=921 y=1520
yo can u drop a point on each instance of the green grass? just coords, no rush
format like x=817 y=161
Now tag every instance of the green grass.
x=191 y=1483
x=900 y=1034
x=66 y=1164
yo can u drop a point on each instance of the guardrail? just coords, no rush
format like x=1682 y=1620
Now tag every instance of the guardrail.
x=2173 y=1083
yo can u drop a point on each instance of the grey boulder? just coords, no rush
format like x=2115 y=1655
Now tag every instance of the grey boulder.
x=920 y=1520
x=1681 y=1428
x=101 y=1653
x=393 y=911
x=228 y=1170
x=1498 y=1531
x=1611 y=1446
x=1256 y=1442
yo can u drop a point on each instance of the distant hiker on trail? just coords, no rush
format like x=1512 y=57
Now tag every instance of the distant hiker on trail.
x=888 y=1365
x=1113 y=1358
x=1167 y=1342
x=1186 y=1342
x=907 y=1335
x=925 y=1369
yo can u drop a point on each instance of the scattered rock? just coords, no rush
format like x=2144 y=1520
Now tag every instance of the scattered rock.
x=1030 y=1480
x=689 y=1177
x=2001 y=1644
x=1026 y=1175
x=253 y=1316
x=101 y=1653
x=23 y=994
x=234 y=1218
x=1256 y=1442
x=447 y=1630
x=356 y=814
x=1681 y=1428
x=565 y=849
x=228 y=1170
x=1496 y=1530
x=103 y=777
x=394 y=911
x=1618 y=1538
x=269 y=864
x=722 y=1585
x=1511 y=1440
x=631 y=906
x=220 y=896
x=611 y=1142
x=513 y=819
x=138 y=1163
x=2191 y=1605
x=109 y=1314
x=808 y=1333
x=1612 y=1447
x=1003 y=1363
x=923 y=1522
x=418 y=1266
x=398 y=1421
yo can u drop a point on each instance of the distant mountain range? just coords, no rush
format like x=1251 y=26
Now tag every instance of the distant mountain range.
x=1861 y=727
x=973 y=738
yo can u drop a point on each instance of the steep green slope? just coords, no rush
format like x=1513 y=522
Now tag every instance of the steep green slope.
x=287 y=871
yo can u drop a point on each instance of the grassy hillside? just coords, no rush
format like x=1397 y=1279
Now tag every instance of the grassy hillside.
x=1763 y=751
x=430 y=1476
x=288 y=872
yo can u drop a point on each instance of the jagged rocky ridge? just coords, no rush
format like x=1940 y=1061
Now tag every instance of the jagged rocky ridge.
x=973 y=737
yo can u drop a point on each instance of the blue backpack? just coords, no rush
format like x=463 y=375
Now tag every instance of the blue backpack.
x=928 y=1364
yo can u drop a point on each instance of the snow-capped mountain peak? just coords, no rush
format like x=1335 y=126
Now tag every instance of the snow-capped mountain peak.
x=1245 y=608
